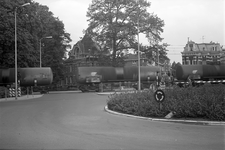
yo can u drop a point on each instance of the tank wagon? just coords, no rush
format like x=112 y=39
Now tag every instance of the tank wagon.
x=90 y=77
x=27 y=76
x=200 y=74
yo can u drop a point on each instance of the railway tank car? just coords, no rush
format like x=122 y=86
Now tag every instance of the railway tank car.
x=201 y=73
x=96 y=75
x=27 y=76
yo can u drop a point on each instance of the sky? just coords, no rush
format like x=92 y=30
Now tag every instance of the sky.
x=202 y=21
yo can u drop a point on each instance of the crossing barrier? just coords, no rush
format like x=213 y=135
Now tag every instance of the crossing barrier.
x=12 y=92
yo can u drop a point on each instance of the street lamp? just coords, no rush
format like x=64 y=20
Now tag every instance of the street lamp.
x=47 y=37
x=139 y=64
x=158 y=55
x=16 y=48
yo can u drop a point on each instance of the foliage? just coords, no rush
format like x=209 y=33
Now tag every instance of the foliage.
x=205 y=102
x=139 y=104
x=34 y=22
x=153 y=51
x=114 y=24
x=174 y=68
x=106 y=60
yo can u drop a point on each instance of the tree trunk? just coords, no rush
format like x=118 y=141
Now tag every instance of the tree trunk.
x=114 y=51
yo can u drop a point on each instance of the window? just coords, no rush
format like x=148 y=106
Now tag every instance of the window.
x=71 y=80
x=191 y=47
x=66 y=80
x=71 y=68
x=187 y=62
x=134 y=62
x=195 y=62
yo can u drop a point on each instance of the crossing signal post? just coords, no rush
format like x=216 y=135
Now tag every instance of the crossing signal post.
x=35 y=82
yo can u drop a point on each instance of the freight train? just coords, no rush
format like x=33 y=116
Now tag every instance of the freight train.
x=27 y=76
x=200 y=74
x=89 y=78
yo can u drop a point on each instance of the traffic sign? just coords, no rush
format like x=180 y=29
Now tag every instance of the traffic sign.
x=159 y=95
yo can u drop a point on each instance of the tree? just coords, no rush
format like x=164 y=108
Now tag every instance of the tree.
x=114 y=24
x=152 y=52
x=33 y=23
x=174 y=68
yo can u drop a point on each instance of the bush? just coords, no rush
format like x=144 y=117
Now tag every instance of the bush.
x=206 y=102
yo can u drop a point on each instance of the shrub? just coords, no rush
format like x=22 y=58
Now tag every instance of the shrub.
x=207 y=102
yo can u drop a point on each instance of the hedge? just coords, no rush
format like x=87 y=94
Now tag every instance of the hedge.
x=205 y=102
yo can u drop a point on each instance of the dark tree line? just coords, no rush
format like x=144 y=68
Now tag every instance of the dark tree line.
x=34 y=22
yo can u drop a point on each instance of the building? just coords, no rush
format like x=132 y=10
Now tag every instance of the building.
x=84 y=53
x=85 y=48
x=203 y=53
x=132 y=60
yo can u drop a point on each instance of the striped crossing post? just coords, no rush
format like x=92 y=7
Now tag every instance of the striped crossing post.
x=10 y=92
x=19 y=92
x=13 y=92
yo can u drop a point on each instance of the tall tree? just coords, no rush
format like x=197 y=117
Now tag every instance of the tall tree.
x=114 y=24
x=34 y=22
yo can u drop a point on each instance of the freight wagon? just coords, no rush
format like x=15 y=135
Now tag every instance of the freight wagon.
x=90 y=78
x=200 y=74
x=27 y=76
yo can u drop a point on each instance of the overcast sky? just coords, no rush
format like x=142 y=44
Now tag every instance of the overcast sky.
x=200 y=20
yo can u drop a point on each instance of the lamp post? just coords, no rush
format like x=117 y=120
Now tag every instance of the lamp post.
x=158 y=56
x=47 y=37
x=15 y=12
x=139 y=64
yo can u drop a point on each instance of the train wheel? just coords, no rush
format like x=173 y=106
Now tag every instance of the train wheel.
x=82 y=88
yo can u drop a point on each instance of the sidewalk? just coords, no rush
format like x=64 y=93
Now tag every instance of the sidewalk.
x=35 y=95
x=24 y=97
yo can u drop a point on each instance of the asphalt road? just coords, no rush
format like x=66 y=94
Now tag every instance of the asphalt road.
x=78 y=121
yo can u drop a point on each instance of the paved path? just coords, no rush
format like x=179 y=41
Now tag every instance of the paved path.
x=35 y=95
x=78 y=121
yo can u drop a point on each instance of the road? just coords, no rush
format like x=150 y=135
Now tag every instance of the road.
x=78 y=121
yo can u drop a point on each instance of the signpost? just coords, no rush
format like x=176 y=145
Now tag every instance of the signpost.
x=159 y=96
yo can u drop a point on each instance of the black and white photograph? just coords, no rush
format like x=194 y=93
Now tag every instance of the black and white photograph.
x=112 y=74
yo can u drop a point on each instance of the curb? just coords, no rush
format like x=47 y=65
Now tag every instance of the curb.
x=167 y=120
x=62 y=92
x=116 y=92
x=22 y=98
x=106 y=93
